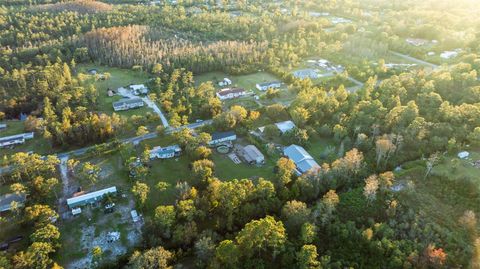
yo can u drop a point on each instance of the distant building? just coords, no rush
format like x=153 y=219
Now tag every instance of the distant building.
x=252 y=155
x=165 y=153
x=225 y=82
x=7 y=199
x=302 y=159
x=3 y=126
x=285 y=126
x=267 y=85
x=417 y=42
x=306 y=73
x=126 y=104
x=221 y=137
x=90 y=198
x=449 y=54
x=15 y=139
x=338 y=20
x=92 y=71
x=230 y=93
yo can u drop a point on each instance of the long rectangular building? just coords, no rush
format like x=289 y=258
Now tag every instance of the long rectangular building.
x=15 y=139
x=89 y=198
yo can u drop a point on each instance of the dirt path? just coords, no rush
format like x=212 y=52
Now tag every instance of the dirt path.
x=66 y=188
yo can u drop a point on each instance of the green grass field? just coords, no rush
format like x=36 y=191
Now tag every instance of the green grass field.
x=38 y=144
x=247 y=82
x=226 y=169
x=118 y=78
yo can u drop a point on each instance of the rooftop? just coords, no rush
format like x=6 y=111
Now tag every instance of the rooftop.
x=220 y=135
x=229 y=91
x=7 y=199
x=127 y=101
x=91 y=195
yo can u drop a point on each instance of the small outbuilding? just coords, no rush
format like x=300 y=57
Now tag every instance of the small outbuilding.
x=252 y=155
x=463 y=155
x=285 y=126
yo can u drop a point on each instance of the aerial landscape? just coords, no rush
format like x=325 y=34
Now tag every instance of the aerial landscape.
x=190 y=134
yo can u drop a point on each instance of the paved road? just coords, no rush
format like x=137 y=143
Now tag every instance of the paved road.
x=134 y=140
x=415 y=60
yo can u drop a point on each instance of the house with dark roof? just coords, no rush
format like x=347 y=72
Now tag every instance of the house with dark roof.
x=268 y=85
x=302 y=159
x=221 y=137
x=230 y=93
x=15 y=139
x=127 y=103
x=165 y=153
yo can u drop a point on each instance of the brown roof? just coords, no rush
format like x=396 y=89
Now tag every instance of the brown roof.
x=230 y=90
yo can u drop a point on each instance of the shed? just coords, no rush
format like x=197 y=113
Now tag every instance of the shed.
x=463 y=154
x=134 y=215
x=285 y=126
x=253 y=155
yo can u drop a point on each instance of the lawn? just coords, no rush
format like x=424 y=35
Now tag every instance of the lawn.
x=246 y=82
x=226 y=169
x=118 y=78
x=38 y=144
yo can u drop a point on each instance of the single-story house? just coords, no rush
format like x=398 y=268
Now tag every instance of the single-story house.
x=252 y=155
x=89 y=198
x=306 y=73
x=225 y=82
x=285 y=126
x=165 y=153
x=267 y=85
x=7 y=199
x=138 y=89
x=127 y=103
x=220 y=137
x=230 y=93
x=15 y=139
x=302 y=159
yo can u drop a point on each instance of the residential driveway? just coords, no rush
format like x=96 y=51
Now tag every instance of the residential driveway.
x=128 y=94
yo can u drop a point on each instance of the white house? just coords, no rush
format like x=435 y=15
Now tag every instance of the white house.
x=90 y=198
x=230 y=93
x=267 y=85
x=127 y=103
x=15 y=139
x=285 y=126
x=225 y=82
x=165 y=153
x=221 y=137
x=449 y=54
x=302 y=159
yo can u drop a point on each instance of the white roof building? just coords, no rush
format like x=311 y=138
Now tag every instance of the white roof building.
x=89 y=198
x=463 y=154
x=285 y=126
